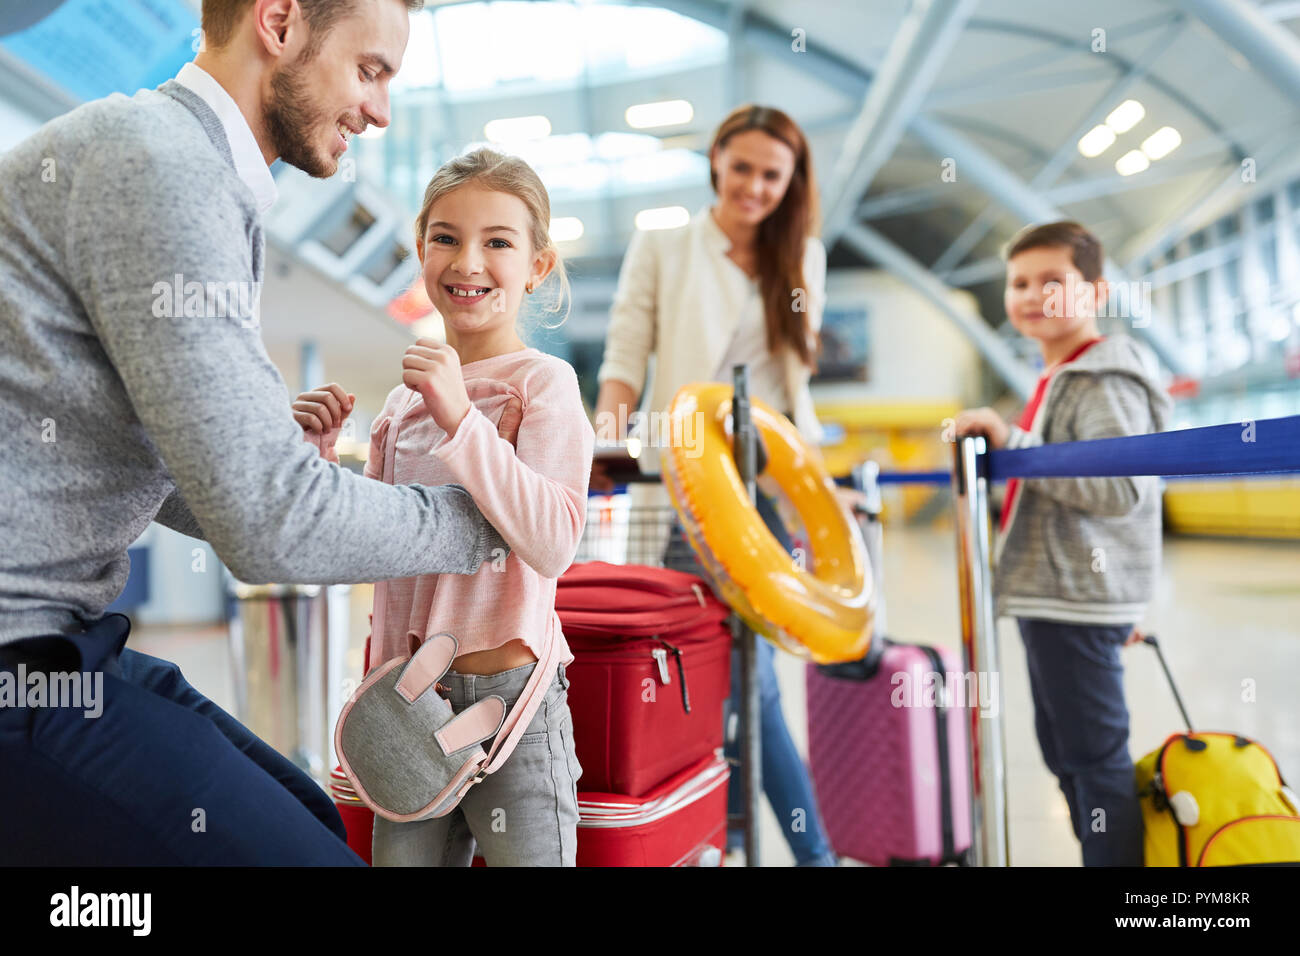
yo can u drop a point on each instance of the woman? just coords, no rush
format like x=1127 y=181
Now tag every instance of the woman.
x=743 y=282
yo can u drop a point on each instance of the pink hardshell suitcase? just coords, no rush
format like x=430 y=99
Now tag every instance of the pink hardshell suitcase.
x=887 y=751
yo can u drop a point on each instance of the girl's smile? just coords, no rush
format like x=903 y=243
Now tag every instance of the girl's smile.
x=468 y=294
x=479 y=263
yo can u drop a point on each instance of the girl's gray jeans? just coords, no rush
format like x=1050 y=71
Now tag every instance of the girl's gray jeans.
x=524 y=814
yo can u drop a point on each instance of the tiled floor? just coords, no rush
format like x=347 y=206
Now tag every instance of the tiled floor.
x=1228 y=614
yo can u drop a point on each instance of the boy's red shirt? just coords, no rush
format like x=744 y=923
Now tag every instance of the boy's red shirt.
x=1026 y=422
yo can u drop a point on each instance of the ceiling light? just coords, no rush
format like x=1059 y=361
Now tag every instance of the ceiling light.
x=517 y=128
x=665 y=113
x=1162 y=142
x=1125 y=116
x=1134 y=161
x=1096 y=141
x=662 y=217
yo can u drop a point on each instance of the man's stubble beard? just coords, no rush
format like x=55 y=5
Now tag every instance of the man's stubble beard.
x=292 y=117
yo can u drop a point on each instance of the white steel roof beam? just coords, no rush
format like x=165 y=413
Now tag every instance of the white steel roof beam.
x=973 y=163
x=1273 y=51
x=1064 y=155
x=915 y=55
x=1028 y=205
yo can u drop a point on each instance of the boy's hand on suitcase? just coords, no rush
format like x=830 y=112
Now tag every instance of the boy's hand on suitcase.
x=433 y=369
x=1137 y=637
x=321 y=413
x=985 y=422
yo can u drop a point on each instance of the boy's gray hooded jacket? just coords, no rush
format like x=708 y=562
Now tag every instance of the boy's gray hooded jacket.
x=1087 y=550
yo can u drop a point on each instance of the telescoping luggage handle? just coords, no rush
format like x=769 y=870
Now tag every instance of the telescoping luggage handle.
x=1151 y=639
x=864 y=478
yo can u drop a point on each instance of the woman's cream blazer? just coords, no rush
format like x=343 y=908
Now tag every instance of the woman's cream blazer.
x=678 y=301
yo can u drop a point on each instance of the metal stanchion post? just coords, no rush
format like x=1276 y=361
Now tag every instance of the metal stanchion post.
x=979 y=641
x=287 y=650
x=751 y=765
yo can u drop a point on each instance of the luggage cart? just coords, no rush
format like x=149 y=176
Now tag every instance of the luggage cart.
x=620 y=531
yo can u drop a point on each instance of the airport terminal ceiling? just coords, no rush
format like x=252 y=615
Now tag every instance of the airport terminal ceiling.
x=937 y=128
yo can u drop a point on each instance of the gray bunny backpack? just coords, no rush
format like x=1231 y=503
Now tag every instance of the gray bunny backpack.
x=407 y=754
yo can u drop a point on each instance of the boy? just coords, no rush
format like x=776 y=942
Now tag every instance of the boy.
x=1077 y=558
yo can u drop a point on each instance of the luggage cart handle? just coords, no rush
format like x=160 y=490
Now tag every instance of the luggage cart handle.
x=1151 y=639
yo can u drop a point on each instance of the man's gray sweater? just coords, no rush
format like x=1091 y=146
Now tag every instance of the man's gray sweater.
x=118 y=409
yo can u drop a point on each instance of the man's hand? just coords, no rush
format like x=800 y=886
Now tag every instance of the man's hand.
x=985 y=422
x=433 y=369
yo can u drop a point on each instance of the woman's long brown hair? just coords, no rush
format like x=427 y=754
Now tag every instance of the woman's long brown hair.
x=783 y=235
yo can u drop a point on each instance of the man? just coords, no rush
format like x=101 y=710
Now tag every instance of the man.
x=124 y=404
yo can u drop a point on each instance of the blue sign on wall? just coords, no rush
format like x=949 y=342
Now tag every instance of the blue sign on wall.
x=846 y=346
x=92 y=48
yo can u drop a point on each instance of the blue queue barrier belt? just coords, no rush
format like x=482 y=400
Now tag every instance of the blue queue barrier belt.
x=911 y=478
x=1269 y=446
x=1263 y=447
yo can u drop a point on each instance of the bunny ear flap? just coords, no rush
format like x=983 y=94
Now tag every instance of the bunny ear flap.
x=426 y=665
x=473 y=725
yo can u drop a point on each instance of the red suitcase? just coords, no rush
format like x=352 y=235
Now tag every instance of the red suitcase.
x=887 y=751
x=594 y=597
x=652 y=669
x=358 y=819
x=681 y=822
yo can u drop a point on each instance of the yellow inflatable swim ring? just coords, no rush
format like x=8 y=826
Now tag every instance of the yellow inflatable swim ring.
x=823 y=611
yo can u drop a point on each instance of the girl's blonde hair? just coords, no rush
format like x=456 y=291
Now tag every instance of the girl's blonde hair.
x=507 y=174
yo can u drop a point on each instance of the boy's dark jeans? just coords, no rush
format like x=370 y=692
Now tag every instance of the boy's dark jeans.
x=1077 y=682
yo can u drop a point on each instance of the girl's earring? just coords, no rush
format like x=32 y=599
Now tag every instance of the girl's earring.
x=529 y=288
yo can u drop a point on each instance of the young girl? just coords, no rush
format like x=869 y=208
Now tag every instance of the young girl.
x=482 y=240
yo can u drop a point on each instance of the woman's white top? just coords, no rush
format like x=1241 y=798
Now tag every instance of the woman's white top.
x=682 y=300
x=749 y=346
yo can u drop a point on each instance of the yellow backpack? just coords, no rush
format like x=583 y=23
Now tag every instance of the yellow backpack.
x=1216 y=799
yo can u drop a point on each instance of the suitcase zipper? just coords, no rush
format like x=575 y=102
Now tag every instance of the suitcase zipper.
x=1160 y=796
x=661 y=658
x=1232 y=823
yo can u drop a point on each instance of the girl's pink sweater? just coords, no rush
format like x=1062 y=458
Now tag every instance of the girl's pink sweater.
x=534 y=494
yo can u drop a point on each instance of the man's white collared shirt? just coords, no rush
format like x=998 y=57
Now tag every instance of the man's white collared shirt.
x=249 y=162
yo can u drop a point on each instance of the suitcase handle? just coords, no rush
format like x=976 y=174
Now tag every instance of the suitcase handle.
x=1151 y=639
x=865 y=667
